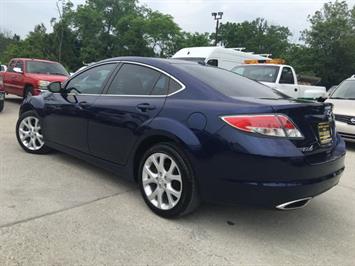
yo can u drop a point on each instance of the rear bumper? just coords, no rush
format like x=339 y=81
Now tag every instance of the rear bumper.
x=236 y=177
x=272 y=194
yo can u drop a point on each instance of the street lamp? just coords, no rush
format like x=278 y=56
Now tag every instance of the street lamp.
x=217 y=16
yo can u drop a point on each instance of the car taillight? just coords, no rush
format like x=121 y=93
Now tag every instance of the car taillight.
x=270 y=125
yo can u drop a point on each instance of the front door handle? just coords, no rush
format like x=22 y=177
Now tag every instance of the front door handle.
x=144 y=107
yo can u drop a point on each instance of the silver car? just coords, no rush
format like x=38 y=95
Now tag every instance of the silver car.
x=343 y=99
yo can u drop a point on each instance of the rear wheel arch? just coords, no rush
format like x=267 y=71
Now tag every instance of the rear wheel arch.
x=145 y=145
x=149 y=141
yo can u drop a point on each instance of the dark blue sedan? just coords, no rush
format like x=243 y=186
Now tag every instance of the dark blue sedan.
x=188 y=133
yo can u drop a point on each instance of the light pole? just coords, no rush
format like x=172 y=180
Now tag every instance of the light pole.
x=217 y=16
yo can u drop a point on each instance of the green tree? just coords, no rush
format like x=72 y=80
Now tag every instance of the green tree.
x=35 y=45
x=256 y=36
x=331 y=42
x=6 y=39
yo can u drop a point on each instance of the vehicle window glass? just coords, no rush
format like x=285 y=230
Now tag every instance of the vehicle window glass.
x=230 y=83
x=287 y=76
x=11 y=66
x=345 y=90
x=134 y=80
x=161 y=86
x=174 y=86
x=49 y=68
x=213 y=62
x=19 y=64
x=91 y=81
x=258 y=72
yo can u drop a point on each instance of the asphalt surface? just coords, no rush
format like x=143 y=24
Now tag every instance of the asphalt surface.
x=57 y=210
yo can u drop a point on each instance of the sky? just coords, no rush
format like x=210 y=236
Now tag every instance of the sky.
x=20 y=16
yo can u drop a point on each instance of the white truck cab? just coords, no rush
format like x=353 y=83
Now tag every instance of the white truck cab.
x=280 y=77
x=221 y=57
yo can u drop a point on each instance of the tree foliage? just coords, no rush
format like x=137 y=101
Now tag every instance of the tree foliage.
x=6 y=39
x=331 y=42
x=257 y=36
x=97 y=30
x=100 y=29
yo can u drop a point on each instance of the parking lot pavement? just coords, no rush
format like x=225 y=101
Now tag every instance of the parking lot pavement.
x=57 y=210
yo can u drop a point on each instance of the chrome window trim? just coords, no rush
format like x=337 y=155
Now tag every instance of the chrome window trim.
x=141 y=95
x=133 y=95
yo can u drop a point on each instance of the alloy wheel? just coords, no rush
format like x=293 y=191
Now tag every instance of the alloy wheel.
x=30 y=133
x=162 y=182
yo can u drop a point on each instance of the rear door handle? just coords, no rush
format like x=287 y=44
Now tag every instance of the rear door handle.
x=144 y=107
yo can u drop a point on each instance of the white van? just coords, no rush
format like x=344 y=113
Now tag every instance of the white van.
x=226 y=58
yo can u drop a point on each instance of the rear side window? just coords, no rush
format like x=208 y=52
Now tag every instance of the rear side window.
x=287 y=76
x=11 y=66
x=138 y=80
x=161 y=86
x=174 y=86
x=229 y=83
x=19 y=64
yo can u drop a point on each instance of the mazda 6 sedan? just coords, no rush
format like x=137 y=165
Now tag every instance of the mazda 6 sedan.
x=188 y=133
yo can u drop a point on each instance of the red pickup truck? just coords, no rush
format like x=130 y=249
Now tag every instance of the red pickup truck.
x=25 y=76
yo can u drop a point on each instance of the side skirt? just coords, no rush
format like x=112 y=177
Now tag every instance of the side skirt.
x=116 y=169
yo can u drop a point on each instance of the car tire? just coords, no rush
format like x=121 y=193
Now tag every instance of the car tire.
x=29 y=133
x=2 y=105
x=28 y=91
x=167 y=182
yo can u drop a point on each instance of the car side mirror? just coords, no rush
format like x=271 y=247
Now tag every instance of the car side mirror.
x=17 y=70
x=322 y=99
x=55 y=87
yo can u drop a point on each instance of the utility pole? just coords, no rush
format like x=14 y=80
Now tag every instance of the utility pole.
x=61 y=15
x=217 y=16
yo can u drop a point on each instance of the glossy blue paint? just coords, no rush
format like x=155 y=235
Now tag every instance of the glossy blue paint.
x=229 y=165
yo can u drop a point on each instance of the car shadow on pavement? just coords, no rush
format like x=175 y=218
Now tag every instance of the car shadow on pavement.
x=13 y=99
x=214 y=221
x=95 y=170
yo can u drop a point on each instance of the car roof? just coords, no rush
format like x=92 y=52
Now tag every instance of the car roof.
x=149 y=60
x=160 y=63
x=34 y=59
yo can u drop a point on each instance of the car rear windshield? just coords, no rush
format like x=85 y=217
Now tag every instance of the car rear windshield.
x=36 y=67
x=346 y=90
x=230 y=83
x=258 y=73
